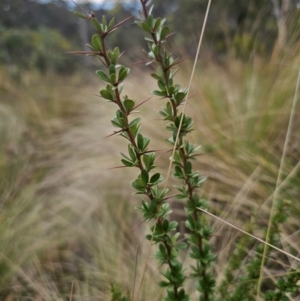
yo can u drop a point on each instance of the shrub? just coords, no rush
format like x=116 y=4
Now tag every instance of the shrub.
x=43 y=50
x=243 y=276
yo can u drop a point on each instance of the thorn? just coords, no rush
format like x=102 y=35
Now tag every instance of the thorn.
x=85 y=52
x=96 y=95
x=116 y=167
x=138 y=224
x=119 y=24
x=141 y=62
x=141 y=103
x=193 y=95
x=80 y=7
x=154 y=151
x=170 y=34
x=114 y=133
x=169 y=197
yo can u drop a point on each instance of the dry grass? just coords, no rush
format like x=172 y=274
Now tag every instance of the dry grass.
x=67 y=218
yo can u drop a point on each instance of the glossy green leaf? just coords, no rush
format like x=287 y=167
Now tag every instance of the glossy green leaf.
x=155 y=178
x=145 y=176
x=165 y=225
x=140 y=142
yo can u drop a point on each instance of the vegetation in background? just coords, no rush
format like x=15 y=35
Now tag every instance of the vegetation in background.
x=239 y=29
x=42 y=50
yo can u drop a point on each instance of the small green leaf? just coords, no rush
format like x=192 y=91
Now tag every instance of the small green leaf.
x=140 y=142
x=135 y=130
x=96 y=25
x=178 y=172
x=146 y=27
x=115 y=122
x=157 y=24
x=159 y=93
x=111 y=23
x=113 y=78
x=179 y=97
x=143 y=143
x=127 y=163
x=131 y=152
x=123 y=73
x=164 y=32
x=188 y=167
x=134 y=122
x=145 y=176
x=96 y=42
x=106 y=95
x=103 y=76
x=161 y=85
x=80 y=15
x=164 y=283
x=128 y=104
x=165 y=225
x=173 y=225
x=146 y=143
x=115 y=56
x=156 y=50
x=154 y=75
x=138 y=184
x=112 y=69
x=148 y=160
x=155 y=178
x=150 y=20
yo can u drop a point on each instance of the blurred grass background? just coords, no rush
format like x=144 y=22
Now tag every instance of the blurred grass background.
x=65 y=217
